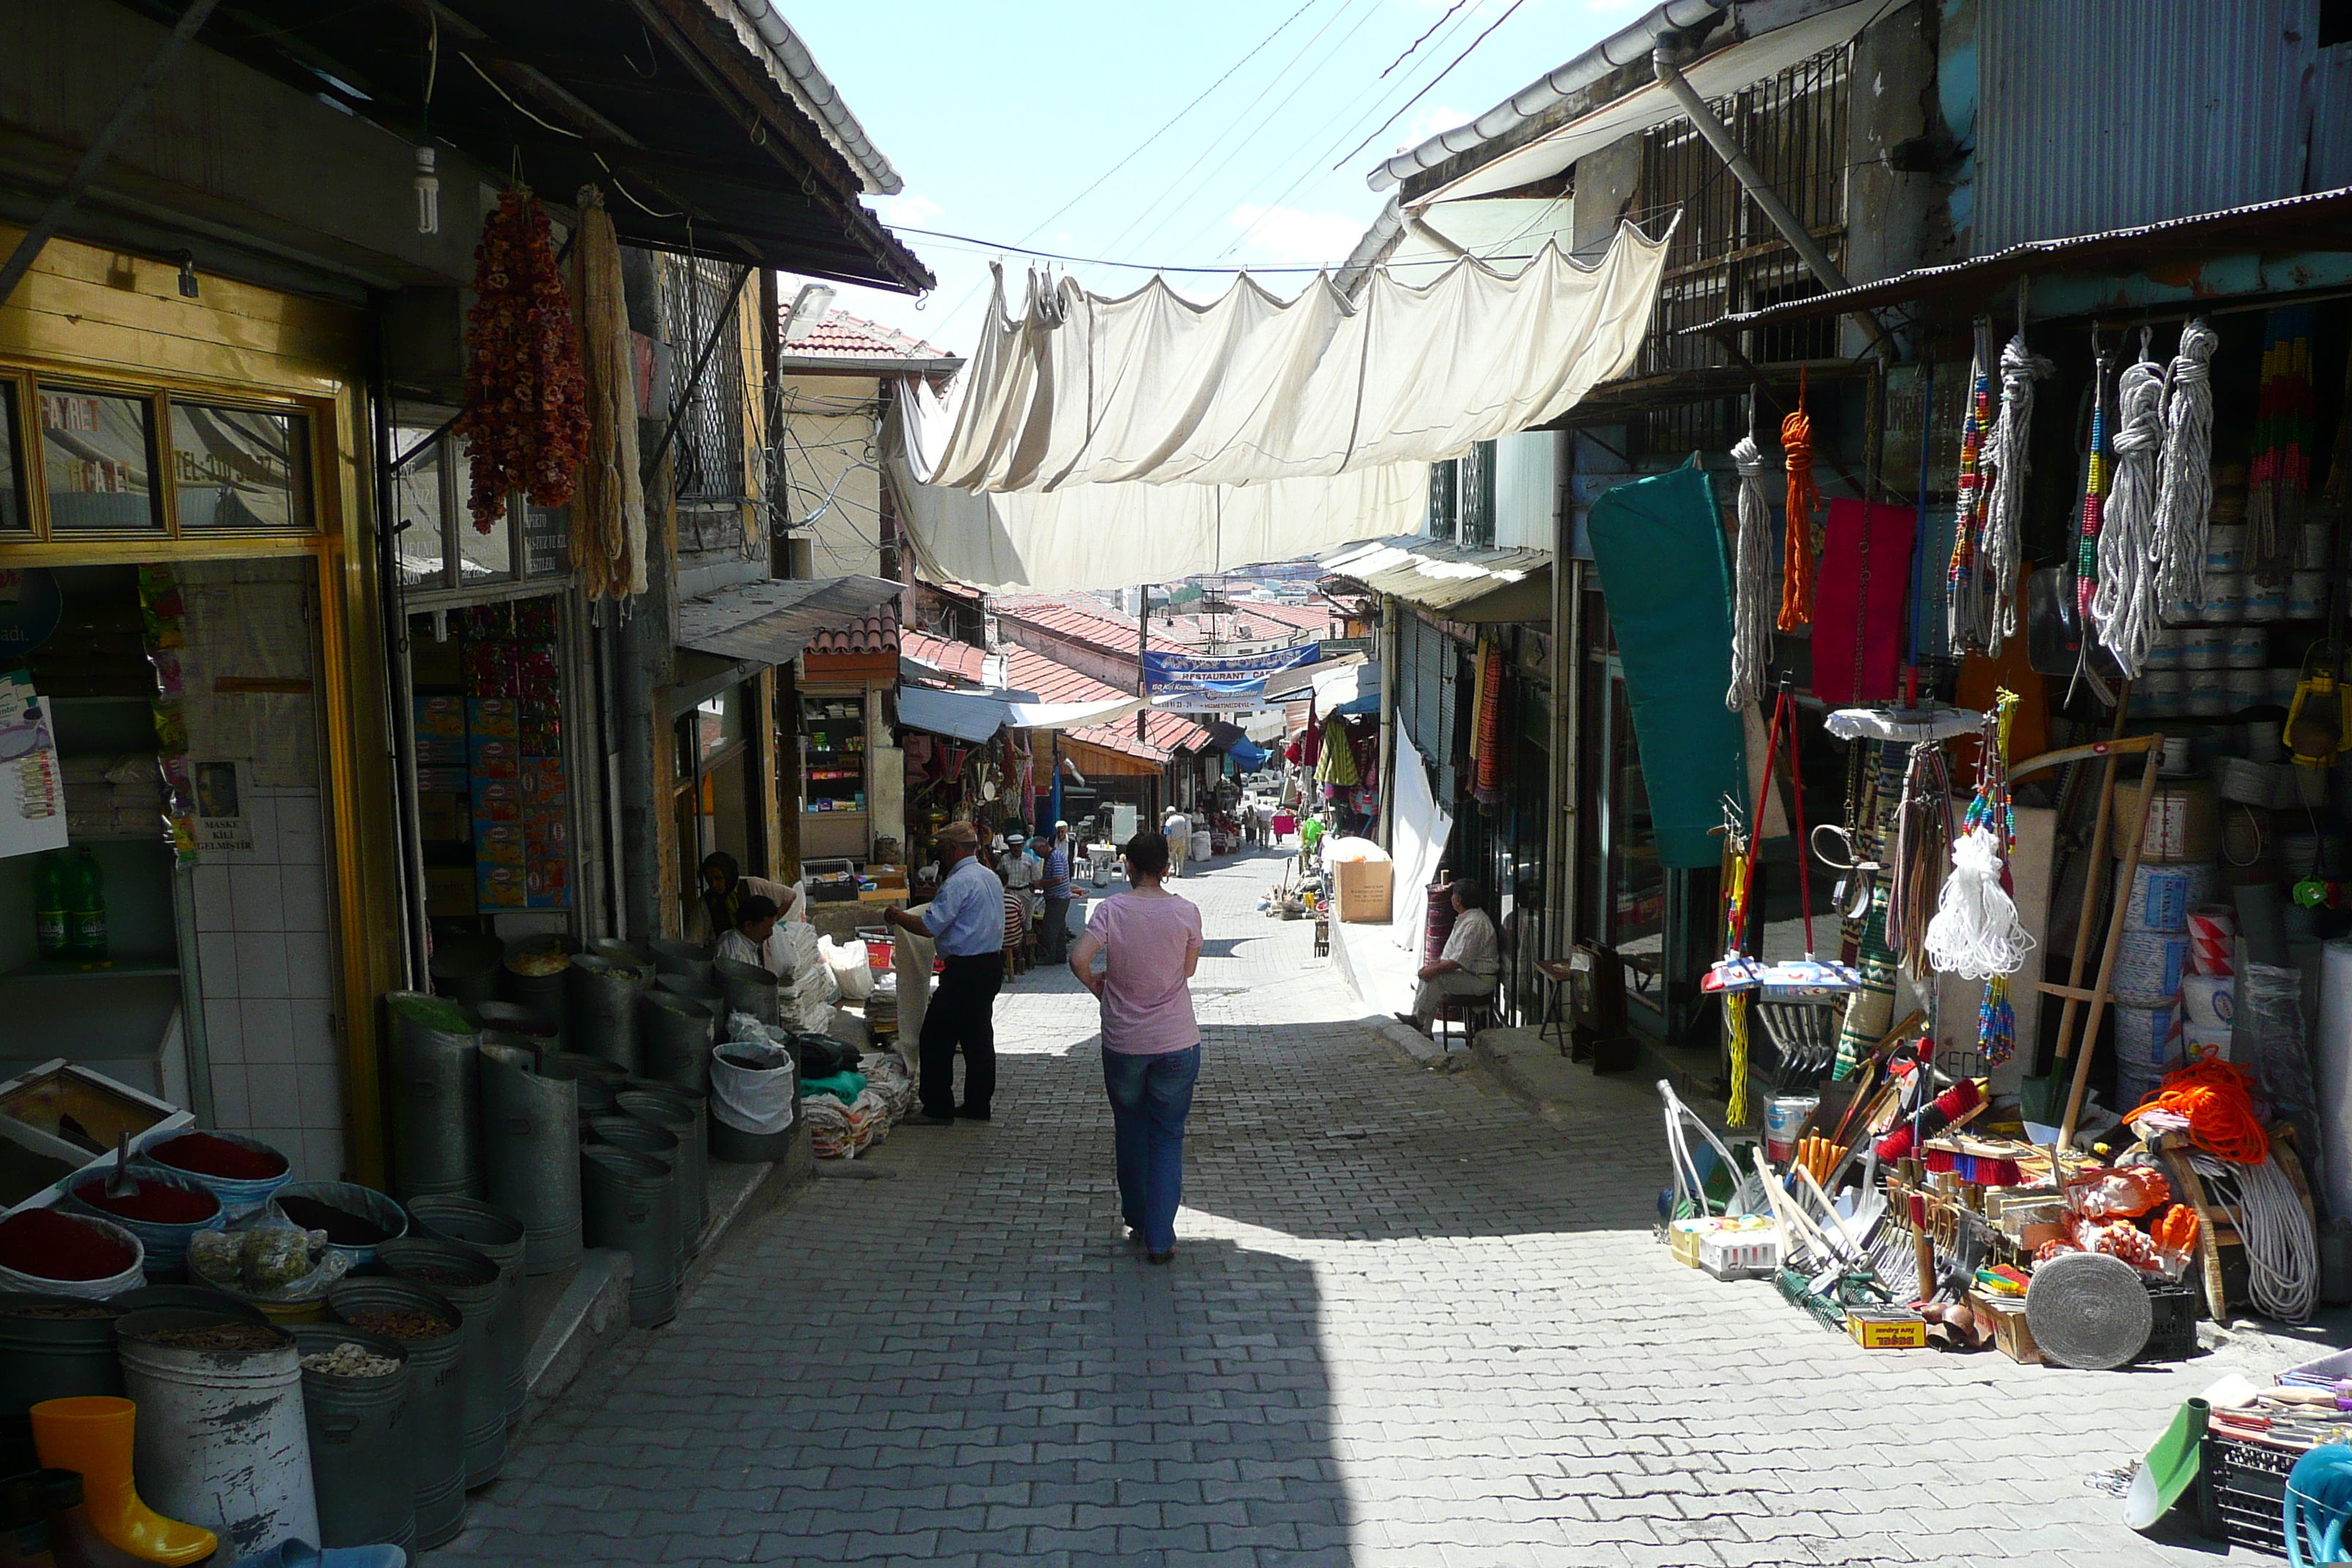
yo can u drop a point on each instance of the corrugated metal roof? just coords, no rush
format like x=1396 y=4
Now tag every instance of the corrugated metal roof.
x=1457 y=581
x=2099 y=114
x=774 y=619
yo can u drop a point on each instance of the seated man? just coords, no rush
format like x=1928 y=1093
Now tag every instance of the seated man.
x=754 y=941
x=1471 y=959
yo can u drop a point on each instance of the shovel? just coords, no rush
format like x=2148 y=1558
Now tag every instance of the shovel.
x=2169 y=1469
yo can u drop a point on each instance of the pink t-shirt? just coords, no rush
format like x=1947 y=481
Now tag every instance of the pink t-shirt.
x=1147 y=1005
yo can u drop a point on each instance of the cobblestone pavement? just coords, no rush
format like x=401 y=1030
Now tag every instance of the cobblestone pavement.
x=1409 y=1322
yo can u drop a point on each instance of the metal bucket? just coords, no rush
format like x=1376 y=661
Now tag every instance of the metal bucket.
x=598 y=1080
x=435 y=1098
x=542 y=994
x=704 y=993
x=626 y=1132
x=359 y=1455
x=470 y=1281
x=202 y=1297
x=467 y=971
x=602 y=1009
x=363 y=1203
x=238 y=1195
x=748 y=989
x=688 y=960
x=511 y=1018
x=166 y=1243
x=55 y=1347
x=627 y=1202
x=676 y=1034
x=432 y=1408
x=499 y=1236
x=682 y=1119
x=637 y=955
x=220 y=1441
x=531 y=1156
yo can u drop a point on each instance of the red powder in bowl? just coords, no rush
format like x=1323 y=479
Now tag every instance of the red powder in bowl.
x=158 y=1203
x=52 y=1246
x=209 y=1156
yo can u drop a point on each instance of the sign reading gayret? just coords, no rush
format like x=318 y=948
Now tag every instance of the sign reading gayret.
x=1222 y=675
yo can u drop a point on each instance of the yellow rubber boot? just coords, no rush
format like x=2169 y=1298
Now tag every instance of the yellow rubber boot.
x=92 y=1435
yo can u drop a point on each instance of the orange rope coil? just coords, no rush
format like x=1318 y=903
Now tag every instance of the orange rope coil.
x=1804 y=500
x=2213 y=1099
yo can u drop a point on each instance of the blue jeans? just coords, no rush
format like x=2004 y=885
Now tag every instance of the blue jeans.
x=1149 y=1097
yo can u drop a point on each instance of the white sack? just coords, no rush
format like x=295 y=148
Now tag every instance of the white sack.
x=751 y=1087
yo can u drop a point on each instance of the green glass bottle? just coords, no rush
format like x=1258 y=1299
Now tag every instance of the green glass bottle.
x=49 y=905
x=86 y=907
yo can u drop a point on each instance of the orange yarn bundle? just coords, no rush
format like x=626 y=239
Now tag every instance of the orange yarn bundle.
x=1804 y=499
x=2213 y=1098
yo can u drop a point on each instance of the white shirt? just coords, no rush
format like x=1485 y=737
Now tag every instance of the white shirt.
x=1472 y=944
x=1177 y=825
x=771 y=955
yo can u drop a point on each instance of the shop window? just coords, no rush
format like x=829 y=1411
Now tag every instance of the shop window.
x=482 y=558
x=1477 y=499
x=239 y=468
x=546 y=540
x=14 y=514
x=99 y=460
x=439 y=546
x=419 y=488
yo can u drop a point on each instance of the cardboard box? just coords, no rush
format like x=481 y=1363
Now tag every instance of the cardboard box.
x=499 y=843
x=498 y=800
x=441 y=817
x=442 y=752
x=546 y=832
x=1887 y=1328
x=549 y=883
x=489 y=758
x=500 y=718
x=442 y=780
x=501 y=886
x=441 y=717
x=543 y=782
x=1364 y=888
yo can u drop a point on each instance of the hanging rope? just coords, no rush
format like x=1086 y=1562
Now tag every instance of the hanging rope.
x=1964 y=605
x=2095 y=491
x=2005 y=465
x=1804 y=500
x=1751 y=581
x=2184 y=473
x=2125 y=607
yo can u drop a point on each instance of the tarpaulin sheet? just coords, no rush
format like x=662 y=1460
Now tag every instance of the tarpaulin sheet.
x=1658 y=543
x=977 y=715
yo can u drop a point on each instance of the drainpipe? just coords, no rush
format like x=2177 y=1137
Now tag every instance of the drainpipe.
x=1388 y=752
x=1751 y=180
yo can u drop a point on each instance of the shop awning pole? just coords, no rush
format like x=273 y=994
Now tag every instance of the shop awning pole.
x=101 y=146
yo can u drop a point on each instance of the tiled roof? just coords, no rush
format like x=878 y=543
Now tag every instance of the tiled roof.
x=1079 y=621
x=841 y=335
x=960 y=659
x=1028 y=671
x=874 y=634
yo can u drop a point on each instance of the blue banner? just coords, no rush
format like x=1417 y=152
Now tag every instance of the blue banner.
x=1222 y=675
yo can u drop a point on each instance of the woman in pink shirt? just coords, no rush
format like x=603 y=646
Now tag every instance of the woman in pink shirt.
x=1150 y=1044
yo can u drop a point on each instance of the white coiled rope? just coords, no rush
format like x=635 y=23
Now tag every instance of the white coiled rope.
x=1751 y=581
x=2282 y=1251
x=2124 y=607
x=2184 y=474
x=2005 y=466
x=1976 y=933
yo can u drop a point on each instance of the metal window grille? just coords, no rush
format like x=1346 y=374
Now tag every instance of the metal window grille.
x=1479 y=496
x=1441 y=499
x=707 y=454
x=1726 y=255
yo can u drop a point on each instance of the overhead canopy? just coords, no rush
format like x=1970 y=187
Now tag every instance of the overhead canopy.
x=2314 y=222
x=1457 y=582
x=772 y=620
x=1094 y=536
x=1084 y=389
x=1715 y=75
x=977 y=715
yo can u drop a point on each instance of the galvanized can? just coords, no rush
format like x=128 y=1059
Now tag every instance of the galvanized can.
x=665 y=1106
x=437 y=1098
x=627 y=1132
x=637 y=955
x=598 y=1080
x=530 y=1155
x=627 y=1203
x=470 y=1281
x=600 y=1007
x=689 y=960
x=499 y=1236
x=705 y=992
x=748 y=989
x=433 y=1409
x=677 y=1035
x=359 y=1455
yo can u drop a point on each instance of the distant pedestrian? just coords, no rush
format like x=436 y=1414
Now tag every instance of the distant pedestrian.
x=1054 y=882
x=966 y=920
x=1177 y=828
x=1150 y=940
x=1466 y=966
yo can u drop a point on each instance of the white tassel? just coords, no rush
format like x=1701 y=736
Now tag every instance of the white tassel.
x=2125 y=605
x=1751 y=581
x=2184 y=475
x=2005 y=466
x=1976 y=933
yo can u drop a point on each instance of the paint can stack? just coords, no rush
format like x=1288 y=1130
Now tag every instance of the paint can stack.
x=2151 y=961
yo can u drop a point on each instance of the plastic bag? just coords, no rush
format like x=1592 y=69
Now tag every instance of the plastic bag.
x=751 y=1086
x=851 y=970
x=267 y=1258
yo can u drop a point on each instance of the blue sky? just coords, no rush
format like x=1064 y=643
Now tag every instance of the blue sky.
x=999 y=116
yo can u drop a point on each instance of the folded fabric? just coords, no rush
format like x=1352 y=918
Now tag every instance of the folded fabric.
x=845 y=1087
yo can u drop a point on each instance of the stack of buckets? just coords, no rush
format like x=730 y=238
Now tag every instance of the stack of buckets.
x=2153 y=962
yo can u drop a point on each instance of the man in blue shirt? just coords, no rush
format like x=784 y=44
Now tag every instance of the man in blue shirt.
x=966 y=921
x=1054 y=888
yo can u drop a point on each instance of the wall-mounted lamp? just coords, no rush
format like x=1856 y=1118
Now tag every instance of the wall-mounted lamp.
x=187 y=260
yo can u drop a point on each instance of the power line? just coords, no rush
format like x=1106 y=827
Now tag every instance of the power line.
x=1440 y=76
x=1421 y=40
x=991 y=246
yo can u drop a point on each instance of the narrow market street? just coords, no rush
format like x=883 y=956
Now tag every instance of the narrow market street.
x=1410 y=1322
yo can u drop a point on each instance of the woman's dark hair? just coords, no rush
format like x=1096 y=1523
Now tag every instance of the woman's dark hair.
x=1471 y=892
x=1147 y=854
x=721 y=905
x=753 y=909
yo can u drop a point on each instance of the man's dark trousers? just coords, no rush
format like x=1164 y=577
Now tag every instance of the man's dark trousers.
x=961 y=1014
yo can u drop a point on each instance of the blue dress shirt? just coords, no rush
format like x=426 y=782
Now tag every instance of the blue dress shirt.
x=967 y=917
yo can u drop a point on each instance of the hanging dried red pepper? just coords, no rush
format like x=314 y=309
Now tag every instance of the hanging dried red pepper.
x=526 y=417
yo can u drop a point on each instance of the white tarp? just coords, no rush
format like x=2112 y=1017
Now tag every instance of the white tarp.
x=1082 y=389
x=977 y=715
x=1423 y=828
x=1116 y=536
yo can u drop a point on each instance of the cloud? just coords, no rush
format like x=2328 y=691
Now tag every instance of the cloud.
x=1293 y=235
x=1429 y=122
x=908 y=209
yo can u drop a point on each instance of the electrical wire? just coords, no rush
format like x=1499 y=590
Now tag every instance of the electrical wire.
x=1431 y=84
x=1409 y=47
x=2281 y=1252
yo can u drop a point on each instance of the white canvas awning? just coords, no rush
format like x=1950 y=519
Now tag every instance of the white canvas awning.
x=977 y=715
x=1082 y=389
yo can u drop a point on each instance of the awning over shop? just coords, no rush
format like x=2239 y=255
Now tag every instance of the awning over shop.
x=2315 y=222
x=772 y=620
x=1334 y=679
x=1248 y=755
x=1454 y=581
x=1715 y=76
x=1102 y=762
x=977 y=715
